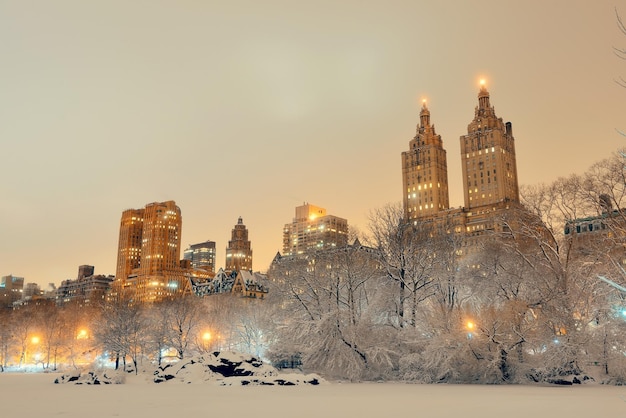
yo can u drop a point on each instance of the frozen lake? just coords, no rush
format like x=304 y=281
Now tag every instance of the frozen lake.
x=35 y=395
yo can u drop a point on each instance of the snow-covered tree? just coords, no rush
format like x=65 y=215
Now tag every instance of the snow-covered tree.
x=406 y=253
x=121 y=331
x=330 y=314
x=182 y=314
x=50 y=322
x=7 y=338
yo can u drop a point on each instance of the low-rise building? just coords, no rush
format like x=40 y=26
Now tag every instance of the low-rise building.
x=87 y=288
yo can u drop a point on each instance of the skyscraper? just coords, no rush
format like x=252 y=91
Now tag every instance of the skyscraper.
x=129 y=243
x=239 y=251
x=489 y=169
x=148 y=256
x=312 y=229
x=488 y=158
x=425 y=172
x=201 y=255
x=160 y=243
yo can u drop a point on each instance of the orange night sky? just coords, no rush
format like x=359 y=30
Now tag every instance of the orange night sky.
x=250 y=108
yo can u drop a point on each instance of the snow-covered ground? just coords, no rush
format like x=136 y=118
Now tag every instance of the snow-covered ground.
x=35 y=395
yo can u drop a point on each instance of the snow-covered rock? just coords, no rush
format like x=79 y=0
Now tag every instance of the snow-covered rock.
x=227 y=369
x=90 y=378
x=559 y=376
x=217 y=368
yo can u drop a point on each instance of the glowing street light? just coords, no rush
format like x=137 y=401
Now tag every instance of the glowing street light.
x=206 y=340
x=33 y=355
x=82 y=334
x=470 y=326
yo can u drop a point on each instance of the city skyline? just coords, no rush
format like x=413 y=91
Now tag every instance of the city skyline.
x=249 y=110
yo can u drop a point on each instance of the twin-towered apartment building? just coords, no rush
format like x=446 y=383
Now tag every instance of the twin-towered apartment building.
x=489 y=171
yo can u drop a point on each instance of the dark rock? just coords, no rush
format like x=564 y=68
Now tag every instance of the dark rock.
x=560 y=382
x=229 y=369
x=282 y=382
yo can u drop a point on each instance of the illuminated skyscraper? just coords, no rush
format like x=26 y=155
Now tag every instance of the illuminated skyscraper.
x=148 y=255
x=160 y=242
x=129 y=244
x=202 y=256
x=488 y=158
x=239 y=251
x=312 y=229
x=425 y=172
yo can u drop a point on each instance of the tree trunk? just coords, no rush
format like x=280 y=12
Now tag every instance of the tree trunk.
x=401 y=303
x=503 y=365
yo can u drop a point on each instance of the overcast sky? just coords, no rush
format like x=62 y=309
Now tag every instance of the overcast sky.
x=250 y=108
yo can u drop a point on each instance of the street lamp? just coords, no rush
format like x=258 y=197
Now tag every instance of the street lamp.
x=36 y=356
x=206 y=339
x=470 y=326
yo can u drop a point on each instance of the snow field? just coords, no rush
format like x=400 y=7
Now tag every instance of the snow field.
x=35 y=395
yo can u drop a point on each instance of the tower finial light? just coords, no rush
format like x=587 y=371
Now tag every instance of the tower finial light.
x=483 y=82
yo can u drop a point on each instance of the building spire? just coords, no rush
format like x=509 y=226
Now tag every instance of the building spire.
x=483 y=96
x=424 y=116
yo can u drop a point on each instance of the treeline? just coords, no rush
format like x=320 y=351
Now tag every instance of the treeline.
x=130 y=335
x=522 y=302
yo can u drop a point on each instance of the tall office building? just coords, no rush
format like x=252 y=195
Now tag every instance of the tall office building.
x=312 y=229
x=239 y=251
x=160 y=243
x=488 y=158
x=129 y=243
x=201 y=256
x=425 y=172
x=148 y=260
